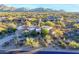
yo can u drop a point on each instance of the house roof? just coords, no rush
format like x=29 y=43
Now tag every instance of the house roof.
x=47 y=27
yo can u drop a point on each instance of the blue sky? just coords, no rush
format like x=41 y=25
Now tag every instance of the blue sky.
x=66 y=7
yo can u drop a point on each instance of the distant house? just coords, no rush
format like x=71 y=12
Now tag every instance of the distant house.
x=3 y=19
x=19 y=20
x=53 y=18
x=20 y=27
x=70 y=34
x=49 y=18
x=47 y=27
x=76 y=31
x=59 y=18
x=30 y=28
x=74 y=19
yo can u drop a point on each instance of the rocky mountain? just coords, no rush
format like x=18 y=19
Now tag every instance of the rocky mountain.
x=41 y=10
x=4 y=8
x=22 y=9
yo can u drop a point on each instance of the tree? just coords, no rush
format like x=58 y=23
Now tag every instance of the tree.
x=31 y=42
x=62 y=44
x=33 y=20
x=61 y=23
x=33 y=33
x=48 y=39
x=76 y=25
x=74 y=44
x=44 y=32
x=42 y=23
x=10 y=18
x=26 y=33
x=58 y=33
x=27 y=23
x=49 y=23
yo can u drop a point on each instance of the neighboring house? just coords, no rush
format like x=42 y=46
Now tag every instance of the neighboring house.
x=73 y=19
x=47 y=27
x=53 y=18
x=49 y=18
x=21 y=27
x=76 y=31
x=70 y=34
x=19 y=20
x=2 y=19
x=59 y=18
x=38 y=29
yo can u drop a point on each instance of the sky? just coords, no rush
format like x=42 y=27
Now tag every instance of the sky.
x=66 y=7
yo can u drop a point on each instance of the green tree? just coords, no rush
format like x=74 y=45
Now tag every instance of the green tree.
x=33 y=20
x=42 y=23
x=49 y=23
x=44 y=32
x=31 y=42
x=74 y=44
x=58 y=33
x=61 y=23
x=76 y=25
x=33 y=33
x=27 y=23
x=48 y=39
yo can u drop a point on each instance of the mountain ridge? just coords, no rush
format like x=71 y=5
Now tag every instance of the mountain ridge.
x=4 y=8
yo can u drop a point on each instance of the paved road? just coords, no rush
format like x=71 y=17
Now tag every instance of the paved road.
x=8 y=38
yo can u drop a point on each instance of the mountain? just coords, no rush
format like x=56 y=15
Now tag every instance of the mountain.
x=4 y=8
x=41 y=10
x=22 y=9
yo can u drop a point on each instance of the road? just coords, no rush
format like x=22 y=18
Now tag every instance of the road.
x=6 y=39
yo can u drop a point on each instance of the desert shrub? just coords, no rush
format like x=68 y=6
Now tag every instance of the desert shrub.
x=44 y=32
x=73 y=44
x=31 y=42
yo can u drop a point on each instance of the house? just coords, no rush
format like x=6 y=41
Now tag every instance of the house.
x=3 y=19
x=23 y=27
x=70 y=34
x=47 y=27
x=49 y=18
x=60 y=18
x=73 y=19
x=30 y=28
x=53 y=18
x=19 y=20
x=76 y=31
